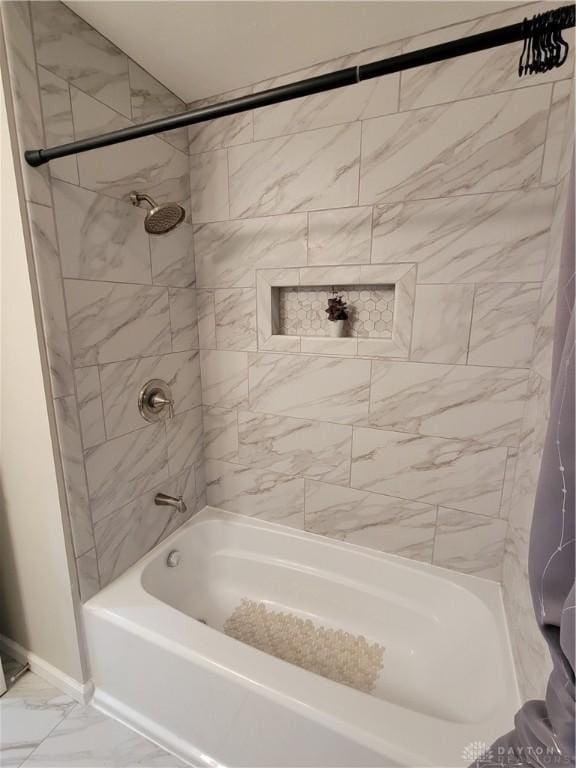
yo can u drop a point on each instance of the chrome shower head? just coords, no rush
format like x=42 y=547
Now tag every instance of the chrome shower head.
x=160 y=218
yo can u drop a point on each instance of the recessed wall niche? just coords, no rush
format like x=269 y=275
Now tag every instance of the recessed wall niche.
x=302 y=309
x=291 y=304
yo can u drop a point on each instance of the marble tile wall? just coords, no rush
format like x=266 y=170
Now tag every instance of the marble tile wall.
x=453 y=172
x=450 y=170
x=118 y=306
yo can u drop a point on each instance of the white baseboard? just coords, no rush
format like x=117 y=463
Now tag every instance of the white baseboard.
x=81 y=692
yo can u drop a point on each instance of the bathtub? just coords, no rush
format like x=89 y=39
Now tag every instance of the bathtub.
x=447 y=680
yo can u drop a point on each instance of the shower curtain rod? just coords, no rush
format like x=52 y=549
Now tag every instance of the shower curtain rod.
x=540 y=35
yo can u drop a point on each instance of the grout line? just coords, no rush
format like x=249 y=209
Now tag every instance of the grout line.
x=359 y=119
x=369 y=491
x=378 y=203
x=472 y=311
x=121 y=115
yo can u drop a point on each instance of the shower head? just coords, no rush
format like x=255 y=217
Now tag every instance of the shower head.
x=160 y=218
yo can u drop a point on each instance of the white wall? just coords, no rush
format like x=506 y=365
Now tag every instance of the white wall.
x=36 y=602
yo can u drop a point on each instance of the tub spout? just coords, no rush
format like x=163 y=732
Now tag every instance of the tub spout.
x=164 y=500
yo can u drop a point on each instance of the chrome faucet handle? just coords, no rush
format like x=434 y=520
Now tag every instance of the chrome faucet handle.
x=158 y=400
x=164 y=500
x=155 y=401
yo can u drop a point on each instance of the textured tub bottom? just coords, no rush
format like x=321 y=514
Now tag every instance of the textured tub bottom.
x=332 y=653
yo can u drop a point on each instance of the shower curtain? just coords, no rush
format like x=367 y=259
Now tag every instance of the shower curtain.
x=544 y=730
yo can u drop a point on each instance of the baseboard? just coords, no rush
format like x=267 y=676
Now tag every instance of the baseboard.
x=151 y=730
x=81 y=692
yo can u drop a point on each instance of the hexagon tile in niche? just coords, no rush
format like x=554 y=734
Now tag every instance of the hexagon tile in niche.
x=371 y=310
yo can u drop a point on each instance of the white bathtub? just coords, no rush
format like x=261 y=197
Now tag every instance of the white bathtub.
x=447 y=679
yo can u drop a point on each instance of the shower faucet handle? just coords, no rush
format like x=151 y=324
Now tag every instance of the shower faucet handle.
x=158 y=400
x=155 y=401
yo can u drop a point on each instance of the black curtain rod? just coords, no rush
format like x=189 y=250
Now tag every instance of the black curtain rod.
x=563 y=19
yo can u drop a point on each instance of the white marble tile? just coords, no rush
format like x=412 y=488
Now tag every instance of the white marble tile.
x=73 y=50
x=441 y=329
x=124 y=468
x=344 y=105
x=29 y=711
x=469 y=402
x=568 y=139
x=200 y=472
x=90 y=406
x=151 y=100
x=110 y=322
x=91 y=117
x=235 y=316
x=256 y=492
x=172 y=256
x=488 y=144
x=68 y=426
x=58 y=125
x=206 y=319
x=184 y=438
x=183 y=318
x=330 y=275
x=499 y=237
x=87 y=738
x=224 y=378
x=229 y=253
x=220 y=433
x=52 y=305
x=470 y=543
x=313 y=449
x=128 y=533
x=148 y=165
x=503 y=324
x=23 y=82
x=559 y=118
x=209 y=186
x=545 y=327
x=100 y=238
x=315 y=169
x=340 y=237
x=345 y=346
x=223 y=132
x=475 y=74
x=398 y=526
x=88 y=576
x=308 y=387
x=122 y=382
x=509 y=478
x=465 y=474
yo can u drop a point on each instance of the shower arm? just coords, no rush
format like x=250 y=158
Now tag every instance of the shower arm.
x=542 y=50
x=137 y=197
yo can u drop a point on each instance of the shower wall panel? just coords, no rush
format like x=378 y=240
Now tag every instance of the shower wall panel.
x=451 y=169
x=454 y=171
x=118 y=305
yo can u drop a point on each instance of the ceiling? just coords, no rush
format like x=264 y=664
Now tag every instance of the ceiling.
x=200 y=49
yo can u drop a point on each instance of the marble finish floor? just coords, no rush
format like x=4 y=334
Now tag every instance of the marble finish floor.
x=41 y=726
